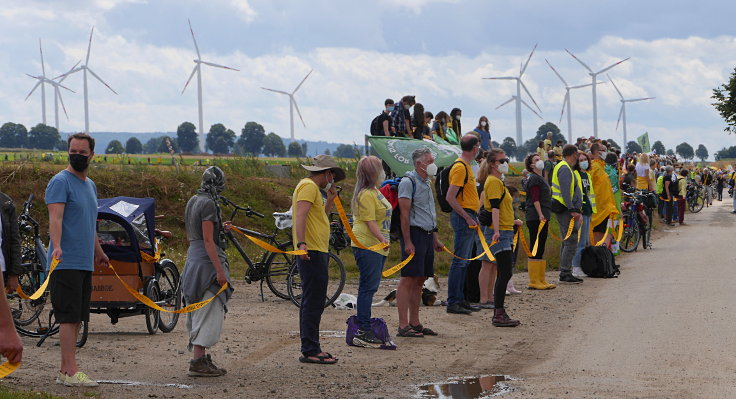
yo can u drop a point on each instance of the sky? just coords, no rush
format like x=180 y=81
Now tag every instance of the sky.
x=363 y=52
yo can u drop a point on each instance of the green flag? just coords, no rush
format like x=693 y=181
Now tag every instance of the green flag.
x=643 y=141
x=396 y=152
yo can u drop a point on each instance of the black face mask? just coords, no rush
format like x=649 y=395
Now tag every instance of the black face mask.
x=79 y=162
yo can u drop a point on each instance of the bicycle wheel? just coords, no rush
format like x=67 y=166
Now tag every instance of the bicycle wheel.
x=153 y=316
x=277 y=271
x=695 y=205
x=170 y=291
x=631 y=235
x=335 y=282
x=25 y=311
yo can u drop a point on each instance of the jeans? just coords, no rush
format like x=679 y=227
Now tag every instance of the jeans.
x=681 y=209
x=584 y=241
x=669 y=210
x=569 y=246
x=464 y=239
x=314 y=275
x=370 y=265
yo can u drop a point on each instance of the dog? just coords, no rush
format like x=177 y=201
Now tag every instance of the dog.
x=430 y=288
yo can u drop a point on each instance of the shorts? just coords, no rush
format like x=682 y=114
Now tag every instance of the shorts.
x=601 y=228
x=422 y=265
x=505 y=241
x=70 y=295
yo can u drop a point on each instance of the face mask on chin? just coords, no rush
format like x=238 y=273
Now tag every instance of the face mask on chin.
x=79 y=162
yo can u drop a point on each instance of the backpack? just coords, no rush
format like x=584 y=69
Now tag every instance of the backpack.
x=597 y=261
x=390 y=189
x=379 y=327
x=442 y=185
x=376 y=129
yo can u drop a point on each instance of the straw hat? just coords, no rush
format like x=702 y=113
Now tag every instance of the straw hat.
x=324 y=162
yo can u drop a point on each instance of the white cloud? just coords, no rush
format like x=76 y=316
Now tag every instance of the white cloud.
x=414 y=6
x=244 y=10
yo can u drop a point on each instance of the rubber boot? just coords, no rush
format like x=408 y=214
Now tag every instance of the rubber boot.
x=511 y=289
x=534 y=266
x=542 y=278
x=501 y=319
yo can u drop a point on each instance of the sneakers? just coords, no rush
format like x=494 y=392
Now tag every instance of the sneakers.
x=203 y=367
x=578 y=272
x=366 y=339
x=570 y=279
x=79 y=379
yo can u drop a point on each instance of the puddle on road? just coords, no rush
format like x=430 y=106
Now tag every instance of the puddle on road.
x=143 y=383
x=467 y=388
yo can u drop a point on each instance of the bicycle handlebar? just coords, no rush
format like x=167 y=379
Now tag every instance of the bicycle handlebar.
x=248 y=211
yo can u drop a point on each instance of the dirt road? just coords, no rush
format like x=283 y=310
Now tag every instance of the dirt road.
x=664 y=329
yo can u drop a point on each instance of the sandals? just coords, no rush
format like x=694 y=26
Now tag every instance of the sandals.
x=425 y=331
x=321 y=359
x=409 y=332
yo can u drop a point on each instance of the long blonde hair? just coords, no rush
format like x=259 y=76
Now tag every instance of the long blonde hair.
x=366 y=175
x=485 y=168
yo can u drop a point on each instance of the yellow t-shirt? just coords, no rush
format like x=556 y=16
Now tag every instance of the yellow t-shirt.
x=373 y=207
x=547 y=144
x=542 y=153
x=495 y=189
x=558 y=153
x=468 y=198
x=317 y=234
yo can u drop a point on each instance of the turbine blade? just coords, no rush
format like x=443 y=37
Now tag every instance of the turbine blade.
x=101 y=81
x=72 y=70
x=578 y=60
x=640 y=99
x=611 y=66
x=89 y=46
x=531 y=109
x=527 y=61
x=620 y=114
x=510 y=100
x=297 y=110
x=581 y=86
x=276 y=91
x=523 y=86
x=564 y=102
x=33 y=89
x=219 y=66
x=190 y=78
x=58 y=94
x=43 y=67
x=503 y=78
x=615 y=87
x=55 y=84
x=556 y=73
x=194 y=39
x=31 y=76
x=302 y=82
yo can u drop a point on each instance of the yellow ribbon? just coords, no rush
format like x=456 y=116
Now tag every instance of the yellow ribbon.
x=268 y=247
x=398 y=267
x=151 y=304
x=349 y=229
x=156 y=256
x=42 y=288
x=7 y=368
x=484 y=244
x=620 y=230
x=570 y=228
x=525 y=245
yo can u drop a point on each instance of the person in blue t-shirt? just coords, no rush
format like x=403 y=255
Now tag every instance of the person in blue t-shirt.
x=71 y=198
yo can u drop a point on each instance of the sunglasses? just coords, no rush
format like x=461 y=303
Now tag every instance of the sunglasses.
x=502 y=160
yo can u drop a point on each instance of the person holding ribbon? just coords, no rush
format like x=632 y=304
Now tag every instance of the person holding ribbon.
x=589 y=209
x=418 y=238
x=499 y=233
x=311 y=233
x=604 y=195
x=539 y=197
x=71 y=198
x=206 y=271
x=567 y=201
x=372 y=228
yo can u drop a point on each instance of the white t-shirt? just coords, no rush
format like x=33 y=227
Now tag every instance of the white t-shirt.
x=642 y=170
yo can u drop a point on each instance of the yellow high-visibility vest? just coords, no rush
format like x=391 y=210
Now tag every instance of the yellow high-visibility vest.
x=591 y=193
x=556 y=193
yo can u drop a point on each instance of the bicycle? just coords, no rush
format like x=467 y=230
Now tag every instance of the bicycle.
x=273 y=267
x=339 y=240
x=637 y=210
x=695 y=198
x=39 y=321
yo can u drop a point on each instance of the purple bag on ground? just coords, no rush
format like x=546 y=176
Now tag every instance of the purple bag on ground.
x=379 y=327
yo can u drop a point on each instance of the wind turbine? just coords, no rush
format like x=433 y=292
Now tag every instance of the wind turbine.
x=85 y=68
x=519 y=101
x=622 y=113
x=57 y=96
x=41 y=81
x=198 y=70
x=292 y=103
x=566 y=101
x=594 y=76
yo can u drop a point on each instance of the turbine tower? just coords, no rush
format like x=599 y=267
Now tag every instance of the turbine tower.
x=41 y=81
x=292 y=103
x=85 y=69
x=622 y=113
x=566 y=101
x=198 y=70
x=519 y=101
x=594 y=76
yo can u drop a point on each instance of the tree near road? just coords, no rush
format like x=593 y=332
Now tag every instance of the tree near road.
x=162 y=147
x=658 y=147
x=509 y=147
x=43 y=137
x=613 y=144
x=295 y=150
x=531 y=144
x=133 y=146
x=220 y=139
x=347 y=151
x=701 y=153
x=13 y=135
x=685 y=150
x=633 y=147
x=187 y=137
x=670 y=152
x=725 y=102
x=114 y=147
x=273 y=146
x=251 y=138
